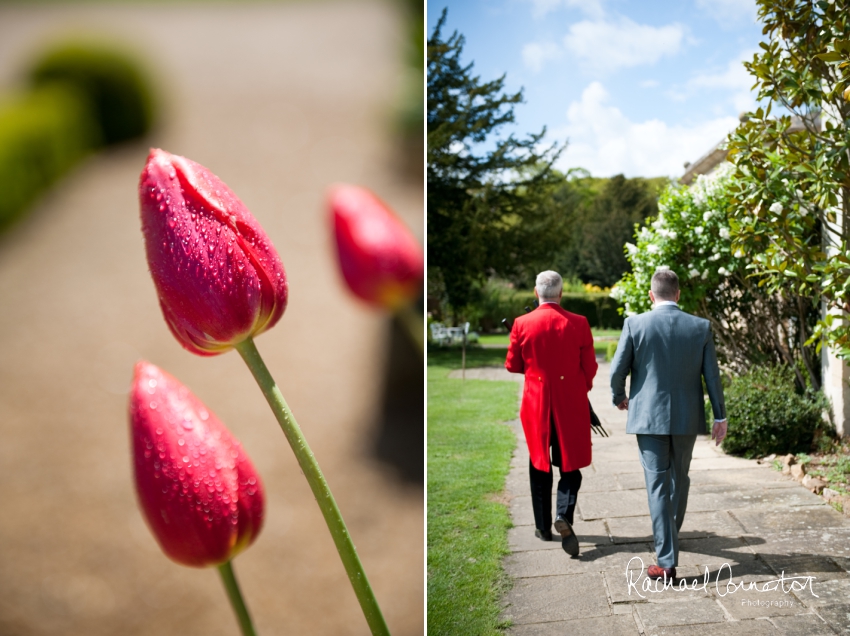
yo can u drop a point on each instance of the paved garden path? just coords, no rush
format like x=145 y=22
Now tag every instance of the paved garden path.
x=740 y=513
x=280 y=100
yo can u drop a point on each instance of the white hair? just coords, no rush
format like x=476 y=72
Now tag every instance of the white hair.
x=549 y=285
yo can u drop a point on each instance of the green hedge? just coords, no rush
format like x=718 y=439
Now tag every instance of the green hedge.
x=599 y=309
x=767 y=415
x=82 y=95
x=43 y=133
x=120 y=93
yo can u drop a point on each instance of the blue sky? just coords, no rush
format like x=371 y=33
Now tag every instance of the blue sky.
x=636 y=87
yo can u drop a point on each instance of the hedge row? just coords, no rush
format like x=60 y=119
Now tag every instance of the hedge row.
x=599 y=309
x=43 y=133
x=81 y=96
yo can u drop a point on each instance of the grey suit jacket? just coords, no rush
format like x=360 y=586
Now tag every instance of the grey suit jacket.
x=667 y=351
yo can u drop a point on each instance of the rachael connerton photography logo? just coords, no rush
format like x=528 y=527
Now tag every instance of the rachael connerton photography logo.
x=636 y=581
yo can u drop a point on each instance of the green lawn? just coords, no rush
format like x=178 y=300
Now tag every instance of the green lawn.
x=601 y=338
x=469 y=451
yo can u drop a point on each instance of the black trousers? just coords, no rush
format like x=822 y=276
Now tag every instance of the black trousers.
x=541 y=489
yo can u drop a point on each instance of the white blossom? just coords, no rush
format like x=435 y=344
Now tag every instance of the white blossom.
x=631 y=248
x=631 y=313
x=693 y=273
x=739 y=253
x=705 y=274
x=723 y=271
x=672 y=235
x=724 y=233
x=775 y=207
x=698 y=230
x=715 y=257
x=707 y=216
x=662 y=268
x=652 y=248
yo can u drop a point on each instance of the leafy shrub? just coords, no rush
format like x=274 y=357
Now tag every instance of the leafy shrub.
x=611 y=350
x=43 y=133
x=113 y=81
x=692 y=236
x=767 y=415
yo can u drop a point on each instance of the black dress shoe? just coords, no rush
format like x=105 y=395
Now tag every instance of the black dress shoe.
x=544 y=535
x=569 y=541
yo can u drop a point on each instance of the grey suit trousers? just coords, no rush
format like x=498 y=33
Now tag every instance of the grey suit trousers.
x=666 y=460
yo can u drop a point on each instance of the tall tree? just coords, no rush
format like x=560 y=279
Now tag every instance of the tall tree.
x=791 y=197
x=604 y=213
x=484 y=189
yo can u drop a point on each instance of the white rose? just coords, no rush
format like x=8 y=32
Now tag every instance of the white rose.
x=694 y=273
x=698 y=230
x=723 y=271
x=724 y=233
x=775 y=207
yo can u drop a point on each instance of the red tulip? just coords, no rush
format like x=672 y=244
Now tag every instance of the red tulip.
x=197 y=488
x=218 y=276
x=380 y=259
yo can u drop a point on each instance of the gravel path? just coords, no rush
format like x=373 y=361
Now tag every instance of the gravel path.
x=279 y=100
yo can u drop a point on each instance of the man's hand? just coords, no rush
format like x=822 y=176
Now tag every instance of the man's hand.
x=718 y=431
x=624 y=405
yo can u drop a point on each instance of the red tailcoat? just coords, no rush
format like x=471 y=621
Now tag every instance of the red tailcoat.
x=554 y=348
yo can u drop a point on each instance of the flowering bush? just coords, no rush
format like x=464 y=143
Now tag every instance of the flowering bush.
x=689 y=236
x=692 y=237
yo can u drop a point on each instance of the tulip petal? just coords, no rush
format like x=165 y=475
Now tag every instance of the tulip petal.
x=218 y=277
x=198 y=490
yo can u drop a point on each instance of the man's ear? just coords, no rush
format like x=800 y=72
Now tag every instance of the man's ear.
x=536 y=295
x=651 y=297
x=678 y=293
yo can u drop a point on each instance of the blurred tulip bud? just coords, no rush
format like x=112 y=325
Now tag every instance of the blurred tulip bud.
x=381 y=261
x=217 y=274
x=198 y=490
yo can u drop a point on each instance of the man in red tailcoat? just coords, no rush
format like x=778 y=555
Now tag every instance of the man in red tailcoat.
x=554 y=349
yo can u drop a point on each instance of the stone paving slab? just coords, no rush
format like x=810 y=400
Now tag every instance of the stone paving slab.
x=590 y=533
x=695 y=611
x=557 y=598
x=697 y=524
x=604 y=626
x=746 y=524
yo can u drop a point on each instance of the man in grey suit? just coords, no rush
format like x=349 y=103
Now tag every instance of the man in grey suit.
x=667 y=352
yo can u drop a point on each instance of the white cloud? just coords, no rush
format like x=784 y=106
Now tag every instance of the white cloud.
x=611 y=45
x=735 y=80
x=729 y=12
x=650 y=83
x=536 y=53
x=591 y=8
x=606 y=142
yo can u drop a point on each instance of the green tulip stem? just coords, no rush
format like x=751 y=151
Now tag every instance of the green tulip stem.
x=236 y=600
x=321 y=491
x=412 y=321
